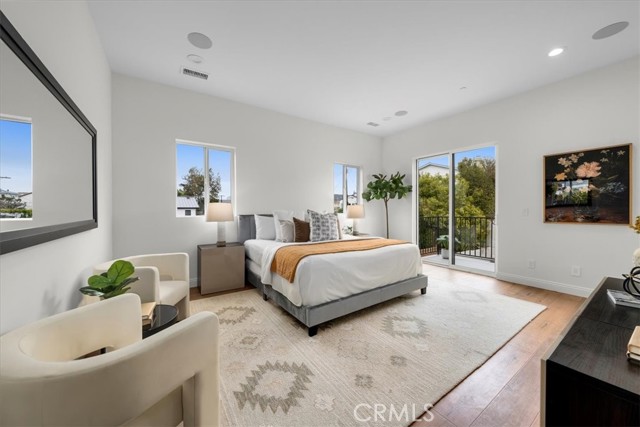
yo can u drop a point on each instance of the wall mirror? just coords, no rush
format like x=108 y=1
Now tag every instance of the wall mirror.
x=47 y=152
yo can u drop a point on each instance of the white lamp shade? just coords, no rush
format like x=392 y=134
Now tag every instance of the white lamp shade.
x=355 y=211
x=220 y=212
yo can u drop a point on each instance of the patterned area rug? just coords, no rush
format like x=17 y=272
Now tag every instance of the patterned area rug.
x=378 y=367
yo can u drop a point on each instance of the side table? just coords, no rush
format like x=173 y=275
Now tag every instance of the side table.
x=220 y=268
x=163 y=317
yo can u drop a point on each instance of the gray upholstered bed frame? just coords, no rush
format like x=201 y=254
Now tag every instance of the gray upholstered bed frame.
x=312 y=316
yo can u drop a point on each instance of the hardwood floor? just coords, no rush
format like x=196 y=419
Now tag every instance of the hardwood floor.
x=505 y=391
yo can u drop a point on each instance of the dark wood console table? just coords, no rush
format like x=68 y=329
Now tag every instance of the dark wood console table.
x=586 y=378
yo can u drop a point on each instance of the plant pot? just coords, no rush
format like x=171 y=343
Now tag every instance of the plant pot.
x=444 y=253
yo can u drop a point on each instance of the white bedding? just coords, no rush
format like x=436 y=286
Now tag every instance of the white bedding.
x=324 y=278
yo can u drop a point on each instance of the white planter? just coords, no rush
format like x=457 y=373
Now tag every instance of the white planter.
x=444 y=253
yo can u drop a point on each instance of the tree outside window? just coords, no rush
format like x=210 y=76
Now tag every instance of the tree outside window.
x=202 y=169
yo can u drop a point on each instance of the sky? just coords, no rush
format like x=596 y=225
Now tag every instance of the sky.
x=15 y=156
x=189 y=156
x=352 y=179
x=486 y=152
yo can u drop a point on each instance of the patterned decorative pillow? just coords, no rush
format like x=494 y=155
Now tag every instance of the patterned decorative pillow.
x=285 y=227
x=323 y=226
x=301 y=230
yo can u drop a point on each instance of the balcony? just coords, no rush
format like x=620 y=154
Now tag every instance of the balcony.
x=475 y=245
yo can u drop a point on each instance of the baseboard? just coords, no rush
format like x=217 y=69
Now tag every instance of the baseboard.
x=545 y=284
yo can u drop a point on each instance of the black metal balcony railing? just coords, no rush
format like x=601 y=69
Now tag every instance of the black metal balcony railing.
x=475 y=235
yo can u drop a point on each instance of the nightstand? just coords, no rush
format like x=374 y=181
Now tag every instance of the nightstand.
x=220 y=268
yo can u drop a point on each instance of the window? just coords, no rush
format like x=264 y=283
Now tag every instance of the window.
x=202 y=169
x=346 y=186
x=16 y=169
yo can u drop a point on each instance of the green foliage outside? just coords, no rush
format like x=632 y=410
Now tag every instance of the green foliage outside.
x=474 y=197
x=14 y=205
x=24 y=213
x=480 y=173
x=193 y=186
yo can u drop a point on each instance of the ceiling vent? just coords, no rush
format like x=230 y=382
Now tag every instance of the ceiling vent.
x=373 y=124
x=193 y=73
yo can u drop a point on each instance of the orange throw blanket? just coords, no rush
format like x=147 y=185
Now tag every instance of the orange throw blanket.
x=286 y=259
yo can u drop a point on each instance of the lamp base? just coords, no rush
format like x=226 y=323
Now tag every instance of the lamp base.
x=222 y=234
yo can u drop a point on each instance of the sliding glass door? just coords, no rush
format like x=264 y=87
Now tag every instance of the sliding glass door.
x=456 y=209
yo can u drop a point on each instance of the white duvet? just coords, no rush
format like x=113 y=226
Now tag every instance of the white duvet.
x=324 y=278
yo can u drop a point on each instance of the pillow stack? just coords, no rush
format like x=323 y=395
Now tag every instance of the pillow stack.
x=283 y=227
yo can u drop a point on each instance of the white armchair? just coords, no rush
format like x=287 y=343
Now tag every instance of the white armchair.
x=166 y=379
x=164 y=278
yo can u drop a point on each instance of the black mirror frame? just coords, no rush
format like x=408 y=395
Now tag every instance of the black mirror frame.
x=19 y=239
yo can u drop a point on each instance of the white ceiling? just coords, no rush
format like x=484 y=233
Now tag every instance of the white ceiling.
x=346 y=63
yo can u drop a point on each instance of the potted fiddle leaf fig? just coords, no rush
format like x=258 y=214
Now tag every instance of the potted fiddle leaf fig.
x=383 y=188
x=112 y=282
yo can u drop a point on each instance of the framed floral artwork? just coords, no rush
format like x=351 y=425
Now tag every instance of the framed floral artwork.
x=588 y=186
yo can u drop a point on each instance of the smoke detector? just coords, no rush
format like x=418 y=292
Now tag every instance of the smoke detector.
x=194 y=73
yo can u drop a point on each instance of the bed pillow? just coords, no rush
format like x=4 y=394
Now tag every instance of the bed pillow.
x=285 y=227
x=323 y=226
x=281 y=216
x=301 y=230
x=265 y=228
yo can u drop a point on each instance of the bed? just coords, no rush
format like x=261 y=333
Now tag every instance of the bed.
x=357 y=280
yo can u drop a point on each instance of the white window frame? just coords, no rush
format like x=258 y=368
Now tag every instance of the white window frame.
x=232 y=174
x=359 y=190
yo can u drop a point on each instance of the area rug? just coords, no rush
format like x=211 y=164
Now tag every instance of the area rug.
x=379 y=367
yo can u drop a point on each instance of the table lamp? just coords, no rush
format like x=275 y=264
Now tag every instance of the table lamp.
x=220 y=213
x=355 y=212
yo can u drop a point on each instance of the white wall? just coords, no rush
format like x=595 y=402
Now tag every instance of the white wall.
x=42 y=280
x=596 y=109
x=282 y=162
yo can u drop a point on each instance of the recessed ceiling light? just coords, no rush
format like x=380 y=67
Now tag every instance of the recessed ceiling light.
x=463 y=87
x=610 y=30
x=196 y=59
x=386 y=119
x=401 y=113
x=373 y=124
x=555 y=52
x=199 y=40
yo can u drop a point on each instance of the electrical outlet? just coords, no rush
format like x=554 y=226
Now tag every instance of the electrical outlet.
x=532 y=264
x=576 y=271
x=525 y=212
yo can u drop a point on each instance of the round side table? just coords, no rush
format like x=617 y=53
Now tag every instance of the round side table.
x=163 y=317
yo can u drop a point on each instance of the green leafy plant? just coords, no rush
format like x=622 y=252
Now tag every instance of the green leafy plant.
x=444 y=241
x=385 y=189
x=112 y=282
